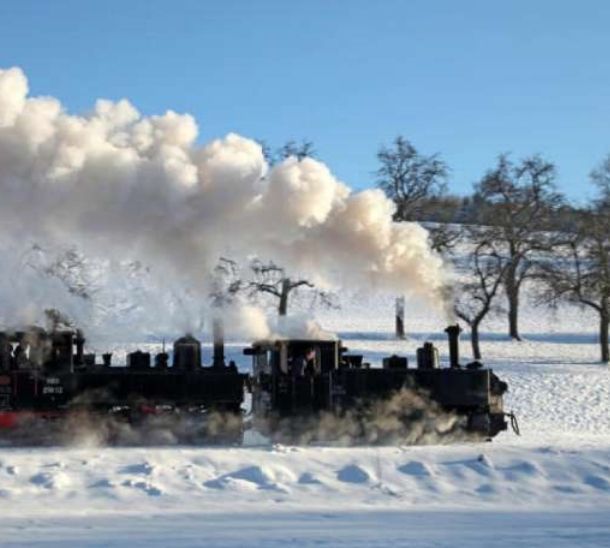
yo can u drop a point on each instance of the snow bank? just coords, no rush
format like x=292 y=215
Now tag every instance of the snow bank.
x=480 y=476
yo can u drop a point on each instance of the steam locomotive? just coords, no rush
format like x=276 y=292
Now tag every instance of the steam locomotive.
x=295 y=385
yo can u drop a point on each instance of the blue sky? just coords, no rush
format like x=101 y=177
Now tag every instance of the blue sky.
x=467 y=79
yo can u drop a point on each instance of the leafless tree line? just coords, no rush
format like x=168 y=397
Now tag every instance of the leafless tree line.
x=521 y=230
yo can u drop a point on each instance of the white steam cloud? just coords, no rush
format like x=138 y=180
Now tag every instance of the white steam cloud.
x=117 y=185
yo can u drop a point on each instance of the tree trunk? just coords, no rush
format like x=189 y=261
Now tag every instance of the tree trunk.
x=474 y=340
x=283 y=307
x=512 y=294
x=513 y=318
x=604 y=318
x=400 y=317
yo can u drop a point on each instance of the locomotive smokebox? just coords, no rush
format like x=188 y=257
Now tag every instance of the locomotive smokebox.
x=187 y=353
x=453 y=333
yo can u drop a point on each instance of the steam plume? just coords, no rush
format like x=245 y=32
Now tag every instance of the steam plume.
x=115 y=184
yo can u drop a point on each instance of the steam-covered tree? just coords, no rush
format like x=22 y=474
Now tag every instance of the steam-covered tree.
x=57 y=320
x=517 y=203
x=226 y=282
x=70 y=267
x=443 y=237
x=475 y=295
x=272 y=279
x=262 y=278
x=413 y=180
x=409 y=177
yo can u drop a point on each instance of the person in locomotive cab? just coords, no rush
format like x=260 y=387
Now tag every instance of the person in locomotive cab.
x=310 y=366
x=304 y=364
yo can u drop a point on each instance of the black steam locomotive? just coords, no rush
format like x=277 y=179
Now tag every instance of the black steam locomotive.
x=296 y=386
x=316 y=391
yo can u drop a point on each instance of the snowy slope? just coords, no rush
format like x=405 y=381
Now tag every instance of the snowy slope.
x=551 y=486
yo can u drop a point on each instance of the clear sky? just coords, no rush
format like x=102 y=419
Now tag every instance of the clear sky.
x=467 y=79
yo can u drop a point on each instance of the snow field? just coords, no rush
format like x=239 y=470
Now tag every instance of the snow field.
x=551 y=486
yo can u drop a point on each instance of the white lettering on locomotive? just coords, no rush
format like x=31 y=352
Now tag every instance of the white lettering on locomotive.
x=52 y=386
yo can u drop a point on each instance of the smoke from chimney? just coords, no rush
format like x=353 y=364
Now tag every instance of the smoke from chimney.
x=118 y=185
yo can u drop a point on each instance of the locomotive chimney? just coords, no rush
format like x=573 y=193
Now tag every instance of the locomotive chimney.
x=453 y=332
x=219 y=343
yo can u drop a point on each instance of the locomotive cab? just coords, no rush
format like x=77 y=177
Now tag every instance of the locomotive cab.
x=285 y=357
x=291 y=376
x=298 y=380
x=37 y=349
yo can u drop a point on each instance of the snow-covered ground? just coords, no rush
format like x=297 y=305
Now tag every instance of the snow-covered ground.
x=549 y=487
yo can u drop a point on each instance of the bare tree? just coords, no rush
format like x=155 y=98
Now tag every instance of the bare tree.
x=67 y=266
x=226 y=282
x=517 y=205
x=324 y=298
x=272 y=279
x=600 y=177
x=580 y=271
x=263 y=278
x=443 y=237
x=475 y=297
x=409 y=178
x=300 y=150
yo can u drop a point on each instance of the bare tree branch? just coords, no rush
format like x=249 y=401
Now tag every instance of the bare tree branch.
x=579 y=271
x=475 y=295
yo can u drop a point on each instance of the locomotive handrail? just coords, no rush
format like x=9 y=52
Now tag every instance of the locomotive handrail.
x=514 y=423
